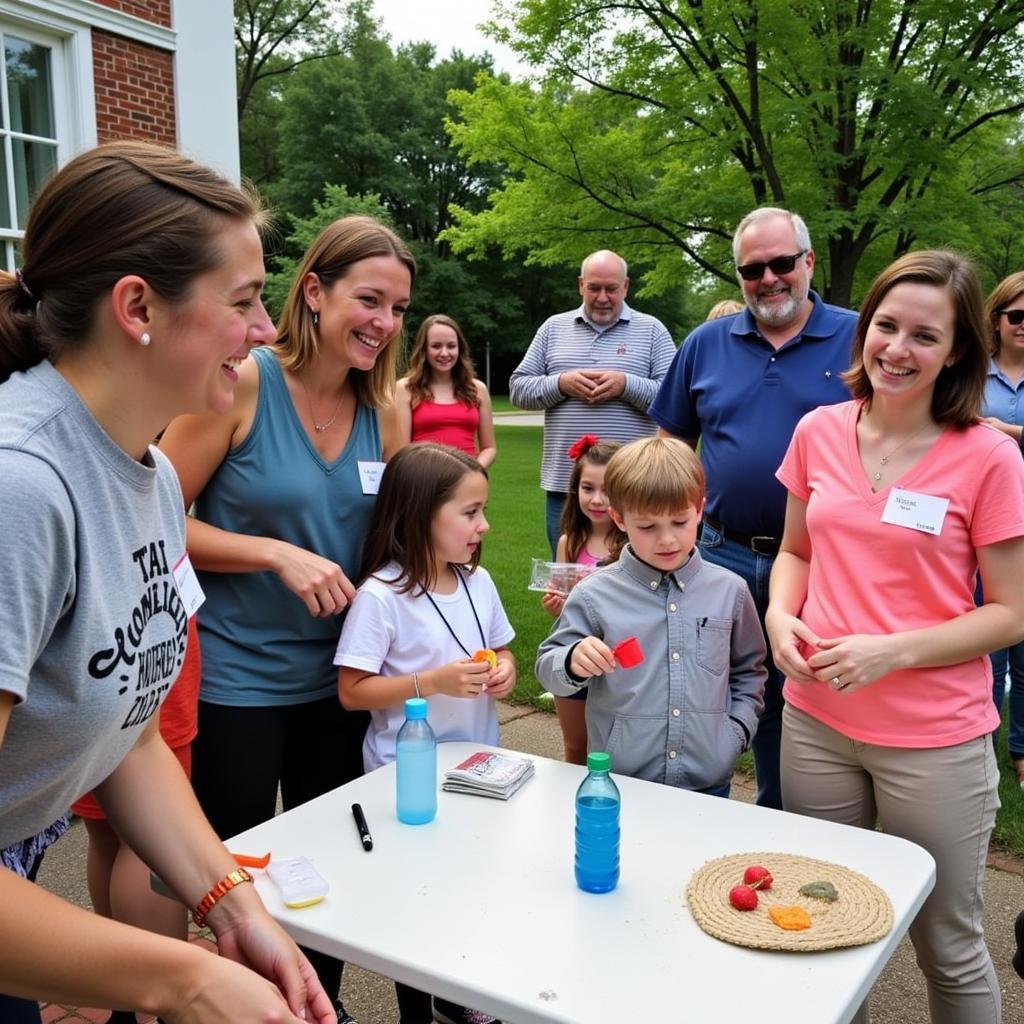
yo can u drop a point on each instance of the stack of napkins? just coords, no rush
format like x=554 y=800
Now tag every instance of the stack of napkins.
x=489 y=773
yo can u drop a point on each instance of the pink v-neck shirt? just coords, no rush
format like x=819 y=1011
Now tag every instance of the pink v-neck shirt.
x=871 y=577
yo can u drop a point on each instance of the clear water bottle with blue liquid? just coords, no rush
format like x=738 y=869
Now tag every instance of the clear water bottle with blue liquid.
x=597 y=827
x=416 y=766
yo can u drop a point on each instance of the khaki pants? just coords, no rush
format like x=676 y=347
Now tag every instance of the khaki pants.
x=944 y=799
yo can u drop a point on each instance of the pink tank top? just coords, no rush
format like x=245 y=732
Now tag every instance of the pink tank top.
x=586 y=558
x=453 y=423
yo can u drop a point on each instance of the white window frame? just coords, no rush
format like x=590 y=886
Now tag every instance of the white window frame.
x=65 y=26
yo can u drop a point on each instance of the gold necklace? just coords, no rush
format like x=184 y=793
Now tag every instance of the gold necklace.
x=321 y=427
x=884 y=460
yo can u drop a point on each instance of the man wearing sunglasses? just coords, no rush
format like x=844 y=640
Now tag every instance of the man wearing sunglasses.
x=740 y=384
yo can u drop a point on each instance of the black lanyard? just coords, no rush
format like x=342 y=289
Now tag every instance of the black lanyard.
x=459 y=579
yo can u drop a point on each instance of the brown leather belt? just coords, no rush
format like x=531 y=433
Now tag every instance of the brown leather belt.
x=760 y=545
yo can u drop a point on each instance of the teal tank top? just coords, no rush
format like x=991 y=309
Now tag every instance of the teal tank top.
x=260 y=645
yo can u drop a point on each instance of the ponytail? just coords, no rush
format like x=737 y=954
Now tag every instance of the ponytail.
x=19 y=347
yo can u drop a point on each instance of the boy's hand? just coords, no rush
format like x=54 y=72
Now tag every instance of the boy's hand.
x=462 y=678
x=552 y=603
x=591 y=657
x=502 y=679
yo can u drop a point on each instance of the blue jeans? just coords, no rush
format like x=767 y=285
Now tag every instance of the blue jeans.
x=755 y=570
x=554 y=503
x=1012 y=658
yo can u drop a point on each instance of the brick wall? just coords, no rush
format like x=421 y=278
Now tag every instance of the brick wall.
x=134 y=86
x=156 y=11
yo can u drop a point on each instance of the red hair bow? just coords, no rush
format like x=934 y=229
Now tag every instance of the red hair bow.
x=582 y=445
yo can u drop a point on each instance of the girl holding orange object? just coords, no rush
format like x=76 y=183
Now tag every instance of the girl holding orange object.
x=440 y=399
x=423 y=606
x=589 y=537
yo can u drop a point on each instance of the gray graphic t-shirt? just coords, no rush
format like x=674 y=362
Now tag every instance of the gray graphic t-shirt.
x=92 y=628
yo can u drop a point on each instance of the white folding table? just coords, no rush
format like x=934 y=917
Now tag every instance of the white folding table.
x=480 y=906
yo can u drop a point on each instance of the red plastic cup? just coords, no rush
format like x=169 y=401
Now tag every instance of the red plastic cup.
x=628 y=653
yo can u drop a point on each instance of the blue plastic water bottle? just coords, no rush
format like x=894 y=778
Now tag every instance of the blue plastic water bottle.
x=597 y=827
x=416 y=766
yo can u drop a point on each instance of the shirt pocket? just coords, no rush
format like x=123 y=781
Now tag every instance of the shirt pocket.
x=637 y=746
x=714 y=644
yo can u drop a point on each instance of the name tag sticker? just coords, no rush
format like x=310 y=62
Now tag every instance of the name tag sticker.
x=189 y=591
x=369 y=476
x=915 y=511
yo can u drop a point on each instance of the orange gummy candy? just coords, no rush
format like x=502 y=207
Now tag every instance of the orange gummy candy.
x=486 y=655
x=792 y=919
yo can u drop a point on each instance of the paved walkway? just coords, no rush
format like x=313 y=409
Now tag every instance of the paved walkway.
x=897 y=998
x=519 y=419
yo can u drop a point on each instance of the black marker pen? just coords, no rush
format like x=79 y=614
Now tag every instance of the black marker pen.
x=364 y=830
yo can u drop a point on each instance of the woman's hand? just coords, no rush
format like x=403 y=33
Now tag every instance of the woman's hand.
x=857 y=660
x=228 y=991
x=318 y=581
x=787 y=634
x=552 y=603
x=462 y=678
x=592 y=657
x=260 y=943
x=1013 y=429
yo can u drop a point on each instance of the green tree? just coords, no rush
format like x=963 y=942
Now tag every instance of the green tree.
x=660 y=122
x=272 y=38
x=364 y=130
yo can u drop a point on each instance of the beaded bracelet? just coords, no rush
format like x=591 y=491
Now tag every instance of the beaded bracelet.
x=221 y=889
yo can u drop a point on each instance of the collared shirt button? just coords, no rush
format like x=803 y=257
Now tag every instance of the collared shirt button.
x=675 y=712
x=671 y=754
x=672 y=607
x=675 y=655
x=772 y=360
x=654 y=584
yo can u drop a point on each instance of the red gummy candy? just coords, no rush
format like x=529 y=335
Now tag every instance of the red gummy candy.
x=742 y=897
x=758 y=877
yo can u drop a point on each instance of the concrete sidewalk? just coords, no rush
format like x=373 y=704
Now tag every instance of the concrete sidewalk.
x=897 y=998
x=519 y=418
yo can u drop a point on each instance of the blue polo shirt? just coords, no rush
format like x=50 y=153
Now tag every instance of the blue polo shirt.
x=1002 y=399
x=730 y=387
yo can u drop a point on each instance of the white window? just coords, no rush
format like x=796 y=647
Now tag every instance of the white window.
x=47 y=108
x=28 y=131
x=47 y=94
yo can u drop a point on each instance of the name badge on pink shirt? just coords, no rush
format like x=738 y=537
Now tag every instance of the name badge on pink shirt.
x=915 y=511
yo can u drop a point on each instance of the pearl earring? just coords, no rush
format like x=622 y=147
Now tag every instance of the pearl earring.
x=144 y=339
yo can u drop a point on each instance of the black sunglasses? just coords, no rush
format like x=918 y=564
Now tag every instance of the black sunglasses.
x=1015 y=317
x=779 y=265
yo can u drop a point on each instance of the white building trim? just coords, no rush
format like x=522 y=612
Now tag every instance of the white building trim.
x=77 y=14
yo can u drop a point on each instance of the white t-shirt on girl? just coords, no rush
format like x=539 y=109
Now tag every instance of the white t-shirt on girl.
x=394 y=634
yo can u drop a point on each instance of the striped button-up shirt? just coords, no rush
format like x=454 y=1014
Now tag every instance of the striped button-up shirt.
x=637 y=344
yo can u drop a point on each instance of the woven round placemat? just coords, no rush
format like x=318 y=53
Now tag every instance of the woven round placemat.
x=861 y=914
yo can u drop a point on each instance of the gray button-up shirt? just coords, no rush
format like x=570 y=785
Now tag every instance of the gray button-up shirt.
x=684 y=715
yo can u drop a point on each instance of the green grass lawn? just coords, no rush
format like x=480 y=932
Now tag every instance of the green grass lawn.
x=1009 y=831
x=515 y=510
x=516 y=513
x=501 y=403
